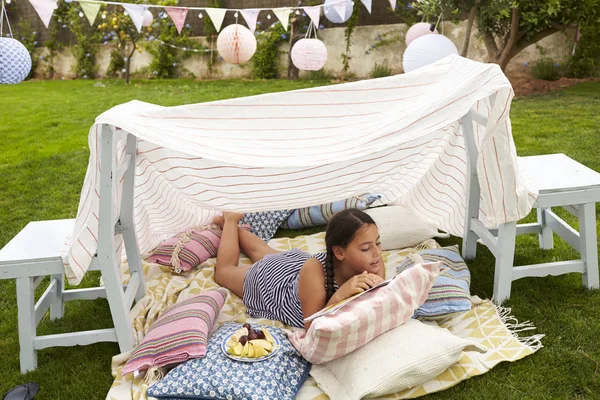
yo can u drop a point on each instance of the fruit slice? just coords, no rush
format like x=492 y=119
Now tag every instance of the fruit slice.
x=263 y=344
x=261 y=351
x=245 y=349
x=237 y=349
x=250 y=351
x=268 y=336
x=233 y=339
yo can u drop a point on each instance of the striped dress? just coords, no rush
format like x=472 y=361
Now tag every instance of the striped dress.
x=271 y=286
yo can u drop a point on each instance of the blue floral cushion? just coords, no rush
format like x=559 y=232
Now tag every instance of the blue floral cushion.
x=216 y=376
x=450 y=292
x=264 y=224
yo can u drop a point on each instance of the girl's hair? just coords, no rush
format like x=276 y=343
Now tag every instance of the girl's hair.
x=340 y=232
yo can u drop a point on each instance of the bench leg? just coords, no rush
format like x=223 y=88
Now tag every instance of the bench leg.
x=546 y=238
x=27 y=328
x=588 y=244
x=57 y=308
x=504 y=261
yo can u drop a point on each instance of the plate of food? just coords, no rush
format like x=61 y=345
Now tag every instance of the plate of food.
x=250 y=345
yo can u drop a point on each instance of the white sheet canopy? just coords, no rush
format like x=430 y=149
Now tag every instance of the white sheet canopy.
x=399 y=136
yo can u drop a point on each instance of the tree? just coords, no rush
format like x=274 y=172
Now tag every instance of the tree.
x=509 y=26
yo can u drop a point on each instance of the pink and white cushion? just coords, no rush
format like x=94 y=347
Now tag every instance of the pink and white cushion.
x=334 y=335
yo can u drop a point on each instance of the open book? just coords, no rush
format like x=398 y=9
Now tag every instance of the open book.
x=334 y=307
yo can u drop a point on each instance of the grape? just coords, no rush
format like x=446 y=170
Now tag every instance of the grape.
x=260 y=335
x=247 y=326
x=243 y=340
x=252 y=335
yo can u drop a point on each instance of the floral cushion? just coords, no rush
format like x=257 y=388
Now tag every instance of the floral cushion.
x=265 y=223
x=216 y=376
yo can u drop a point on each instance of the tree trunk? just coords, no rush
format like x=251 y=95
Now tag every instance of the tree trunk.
x=293 y=72
x=127 y=64
x=472 y=14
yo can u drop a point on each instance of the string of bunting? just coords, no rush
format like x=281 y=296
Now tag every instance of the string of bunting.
x=45 y=9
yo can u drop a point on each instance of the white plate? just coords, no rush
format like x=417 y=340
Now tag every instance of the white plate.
x=276 y=347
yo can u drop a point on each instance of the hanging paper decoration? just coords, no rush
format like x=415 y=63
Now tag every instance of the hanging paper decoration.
x=418 y=30
x=148 y=18
x=309 y=54
x=314 y=13
x=44 y=9
x=15 y=62
x=178 y=16
x=367 y=4
x=216 y=16
x=250 y=16
x=90 y=10
x=236 y=44
x=427 y=50
x=338 y=12
x=283 y=14
x=136 y=13
x=393 y=4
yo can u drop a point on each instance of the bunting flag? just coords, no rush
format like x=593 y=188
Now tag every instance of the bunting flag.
x=44 y=9
x=250 y=16
x=136 y=13
x=341 y=9
x=178 y=15
x=216 y=16
x=314 y=13
x=368 y=4
x=283 y=14
x=393 y=4
x=90 y=10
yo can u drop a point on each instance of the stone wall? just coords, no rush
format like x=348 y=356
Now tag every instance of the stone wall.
x=363 y=58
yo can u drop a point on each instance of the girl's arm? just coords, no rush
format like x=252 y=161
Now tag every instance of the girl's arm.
x=311 y=288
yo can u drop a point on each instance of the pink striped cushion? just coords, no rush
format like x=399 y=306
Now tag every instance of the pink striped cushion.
x=334 y=335
x=179 y=334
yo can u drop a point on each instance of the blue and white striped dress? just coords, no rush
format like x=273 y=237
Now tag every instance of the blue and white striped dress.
x=271 y=286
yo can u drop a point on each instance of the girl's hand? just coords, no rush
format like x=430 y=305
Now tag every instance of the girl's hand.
x=376 y=279
x=357 y=284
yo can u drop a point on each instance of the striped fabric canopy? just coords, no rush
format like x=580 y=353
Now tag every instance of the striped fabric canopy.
x=398 y=136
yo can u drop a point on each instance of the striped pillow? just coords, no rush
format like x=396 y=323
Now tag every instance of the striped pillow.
x=450 y=292
x=179 y=334
x=188 y=249
x=334 y=335
x=319 y=215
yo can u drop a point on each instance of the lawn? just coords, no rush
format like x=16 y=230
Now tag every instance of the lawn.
x=43 y=157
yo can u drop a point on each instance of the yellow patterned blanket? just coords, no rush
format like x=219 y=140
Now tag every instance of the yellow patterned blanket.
x=486 y=324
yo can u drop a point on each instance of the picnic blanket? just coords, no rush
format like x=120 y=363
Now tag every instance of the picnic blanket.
x=485 y=323
x=398 y=136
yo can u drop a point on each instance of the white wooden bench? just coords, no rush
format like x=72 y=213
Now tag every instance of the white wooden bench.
x=562 y=182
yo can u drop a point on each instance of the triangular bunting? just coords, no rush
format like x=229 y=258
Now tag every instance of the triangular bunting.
x=44 y=9
x=284 y=16
x=251 y=16
x=367 y=4
x=314 y=13
x=341 y=9
x=178 y=15
x=136 y=13
x=90 y=10
x=216 y=16
x=393 y=4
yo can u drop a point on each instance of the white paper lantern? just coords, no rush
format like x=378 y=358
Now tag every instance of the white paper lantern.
x=15 y=62
x=309 y=54
x=148 y=18
x=332 y=14
x=427 y=50
x=236 y=44
x=418 y=30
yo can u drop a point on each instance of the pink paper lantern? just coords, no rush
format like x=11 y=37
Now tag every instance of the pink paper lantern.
x=418 y=30
x=236 y=44
x=148 y=18
x=309 y=54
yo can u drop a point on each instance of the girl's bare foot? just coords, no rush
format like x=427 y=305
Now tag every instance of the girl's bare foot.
x=233 y=216
x=218 y=220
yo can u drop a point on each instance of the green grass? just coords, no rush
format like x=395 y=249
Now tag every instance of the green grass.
x=43 y=158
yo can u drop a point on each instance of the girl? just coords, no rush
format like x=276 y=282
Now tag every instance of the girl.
x=292 y=285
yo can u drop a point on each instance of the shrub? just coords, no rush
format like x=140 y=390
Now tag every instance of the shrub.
x=265 y=61
x=586 y=60
x=546 y=69
x=380 y=70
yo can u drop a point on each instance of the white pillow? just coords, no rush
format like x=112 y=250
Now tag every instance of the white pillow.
x=406 y=356
x=400 y=227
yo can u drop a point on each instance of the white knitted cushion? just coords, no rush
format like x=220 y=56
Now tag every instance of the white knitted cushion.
x=400 y=227
x=408 y=355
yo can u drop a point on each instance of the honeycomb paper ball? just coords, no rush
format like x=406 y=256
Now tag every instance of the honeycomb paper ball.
x=15 y=62
x=148 y=18
x=418 y=30
x=236 y=44
x=332 y=14
x=427 y=50
x=309 y=54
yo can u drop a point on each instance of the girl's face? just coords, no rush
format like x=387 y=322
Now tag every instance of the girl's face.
x=363 y=253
